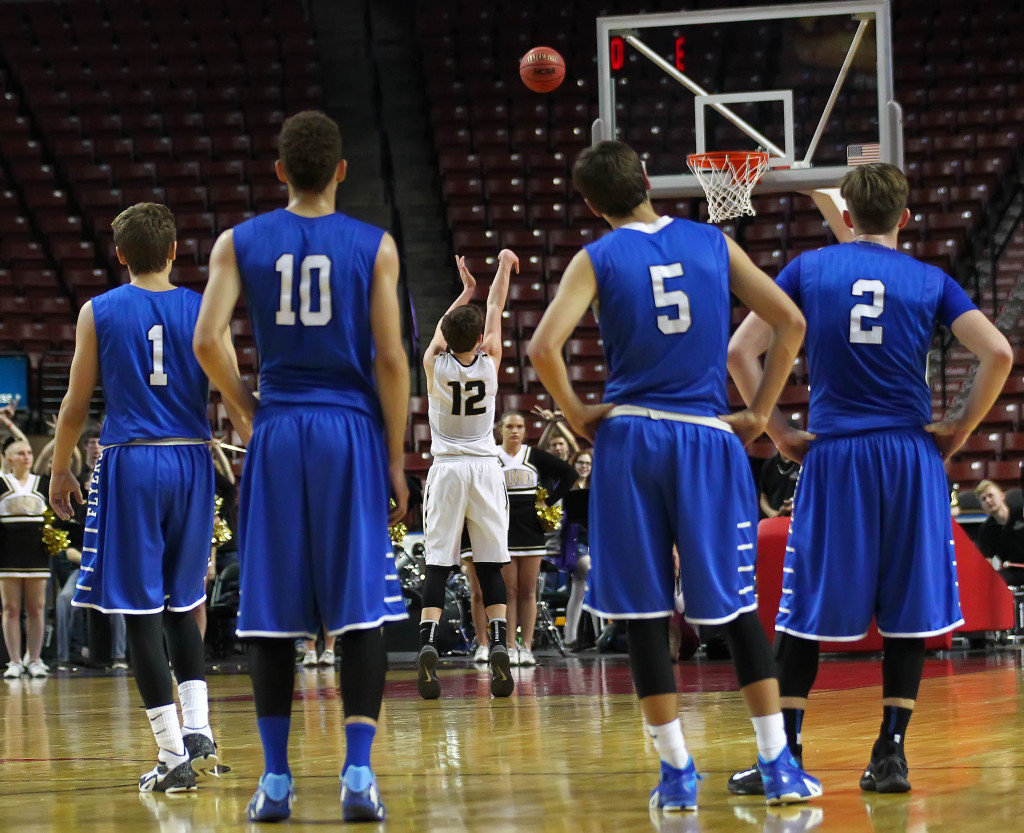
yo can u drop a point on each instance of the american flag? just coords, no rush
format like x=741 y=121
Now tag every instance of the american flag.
x=862 y=154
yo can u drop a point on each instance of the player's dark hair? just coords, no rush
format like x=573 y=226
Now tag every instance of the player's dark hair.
x=310 y=150
x=611 y=178
x=462 y=327
x=145 y=234
x=875 y=195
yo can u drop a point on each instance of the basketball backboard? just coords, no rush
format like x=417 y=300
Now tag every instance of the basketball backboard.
x=810 y=83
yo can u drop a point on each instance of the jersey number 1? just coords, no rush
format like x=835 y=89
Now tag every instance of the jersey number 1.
x=156 y=335
x=286 y=268
x=474 y=393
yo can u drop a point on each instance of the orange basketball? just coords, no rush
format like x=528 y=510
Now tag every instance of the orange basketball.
x=542 y=69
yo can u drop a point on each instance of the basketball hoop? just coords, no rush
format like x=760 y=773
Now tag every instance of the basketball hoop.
x=728 y=177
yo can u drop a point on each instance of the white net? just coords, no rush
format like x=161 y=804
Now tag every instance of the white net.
x=728 y=178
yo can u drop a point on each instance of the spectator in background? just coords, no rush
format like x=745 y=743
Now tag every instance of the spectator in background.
x=575 y=555
x=777 y=485
x=1001 y=539
x=557 y=438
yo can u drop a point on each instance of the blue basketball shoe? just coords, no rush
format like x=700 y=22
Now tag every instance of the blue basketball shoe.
x=360 y=800
x=785 y=782
x=273 y=799
x=677 y=790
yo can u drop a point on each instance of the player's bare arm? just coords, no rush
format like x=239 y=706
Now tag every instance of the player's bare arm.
x=74 y=411
x=576 y=290
x=437 y=344
x=786 y=324
x=496 y=298
x=979 y=335
x=391 y=367
x=212 y=339
x=746 y=346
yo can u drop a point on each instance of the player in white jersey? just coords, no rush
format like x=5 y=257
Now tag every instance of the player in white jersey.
x=465 y=483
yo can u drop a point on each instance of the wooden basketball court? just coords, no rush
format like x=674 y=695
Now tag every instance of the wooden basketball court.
x=565 y=753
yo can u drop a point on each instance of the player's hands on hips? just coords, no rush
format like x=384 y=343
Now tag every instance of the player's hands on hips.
x=948 y=436
x=794 y=442
x=507 y=259
x=468 y=281
x=748 y=425
x=399 y=492
x=63 y=484
x=585 y=419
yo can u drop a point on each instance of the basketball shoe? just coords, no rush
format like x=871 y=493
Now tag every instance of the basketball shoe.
x=749 y=781
x=888 y=772
x=273 y=798
x=481 y=654
x=202 y=754
x=427 y=683
x=359 y=798
x=502 y=684
x=677 y=790
x=163 y=779
x=785 y=782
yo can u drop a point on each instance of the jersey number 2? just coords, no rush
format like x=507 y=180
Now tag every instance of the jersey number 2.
x=156 y=335
x=474 y=393
x=286 y=268
x=677 y=298
x=871 y=335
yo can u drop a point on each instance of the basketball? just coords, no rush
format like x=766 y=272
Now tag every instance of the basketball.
x=542 y=69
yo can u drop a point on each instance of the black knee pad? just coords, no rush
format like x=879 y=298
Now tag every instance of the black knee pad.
x=492 y=585
x=798 y=665
x=748 y=645
x=363 y=669
x=649 y=658
x=433 y=585
x=272 y=668
x=902 y=666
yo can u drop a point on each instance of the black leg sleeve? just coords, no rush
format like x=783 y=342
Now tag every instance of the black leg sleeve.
x=902 y=666
x=363 y=668
x=798 y=665
x=185 y=646
x=751 y=653
x=145 y=637
x=649 y=657
x=492 y=585
x=433 y=585
x=272 y=669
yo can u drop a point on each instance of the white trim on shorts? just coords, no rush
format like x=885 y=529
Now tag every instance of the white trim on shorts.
x=21 y=572
x=133 y=612
x=653 y=413
x=358 y=626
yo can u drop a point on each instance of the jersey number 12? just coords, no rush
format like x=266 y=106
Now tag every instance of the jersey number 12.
x=475 y=392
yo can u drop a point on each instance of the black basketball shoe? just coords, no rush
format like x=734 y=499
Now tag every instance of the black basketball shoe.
x=887 y=773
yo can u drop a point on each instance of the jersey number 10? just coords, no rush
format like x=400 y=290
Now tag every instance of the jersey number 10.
x=285 y=266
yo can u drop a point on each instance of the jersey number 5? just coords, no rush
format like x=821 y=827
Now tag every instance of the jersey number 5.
x=871 y=335
x=286 y=267
x=475 y=391
x=677 y=298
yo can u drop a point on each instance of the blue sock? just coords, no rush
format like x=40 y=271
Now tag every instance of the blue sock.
x=274 y=734
x=358 y=740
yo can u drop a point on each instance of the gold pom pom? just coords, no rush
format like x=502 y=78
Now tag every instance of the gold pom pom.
x=55 y=540
x=550 y=517
x=221 y=530
x=397 y=532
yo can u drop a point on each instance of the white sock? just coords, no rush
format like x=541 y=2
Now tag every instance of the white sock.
x=195 y=707
x=771 y=735
x=670 y=744
x=163 y=720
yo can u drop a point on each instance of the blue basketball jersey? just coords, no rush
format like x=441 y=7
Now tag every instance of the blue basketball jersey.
x=152 y=384
x=307 y=283
x=663 y=310
x=871 y=313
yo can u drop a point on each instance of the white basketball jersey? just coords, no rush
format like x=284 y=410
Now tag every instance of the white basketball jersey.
x=462 y=406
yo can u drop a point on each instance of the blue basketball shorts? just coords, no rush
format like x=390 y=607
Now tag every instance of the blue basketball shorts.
x=313 y=541
x=870 y=535
x=148 y=527
x=659 y=482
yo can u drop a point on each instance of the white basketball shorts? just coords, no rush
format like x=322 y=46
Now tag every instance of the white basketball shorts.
x=471 y=490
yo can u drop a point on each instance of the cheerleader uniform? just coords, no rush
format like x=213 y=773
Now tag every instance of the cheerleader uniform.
x=22 y=554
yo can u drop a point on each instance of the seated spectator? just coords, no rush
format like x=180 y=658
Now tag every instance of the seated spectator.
x=777 y=486
x=1001 y=538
